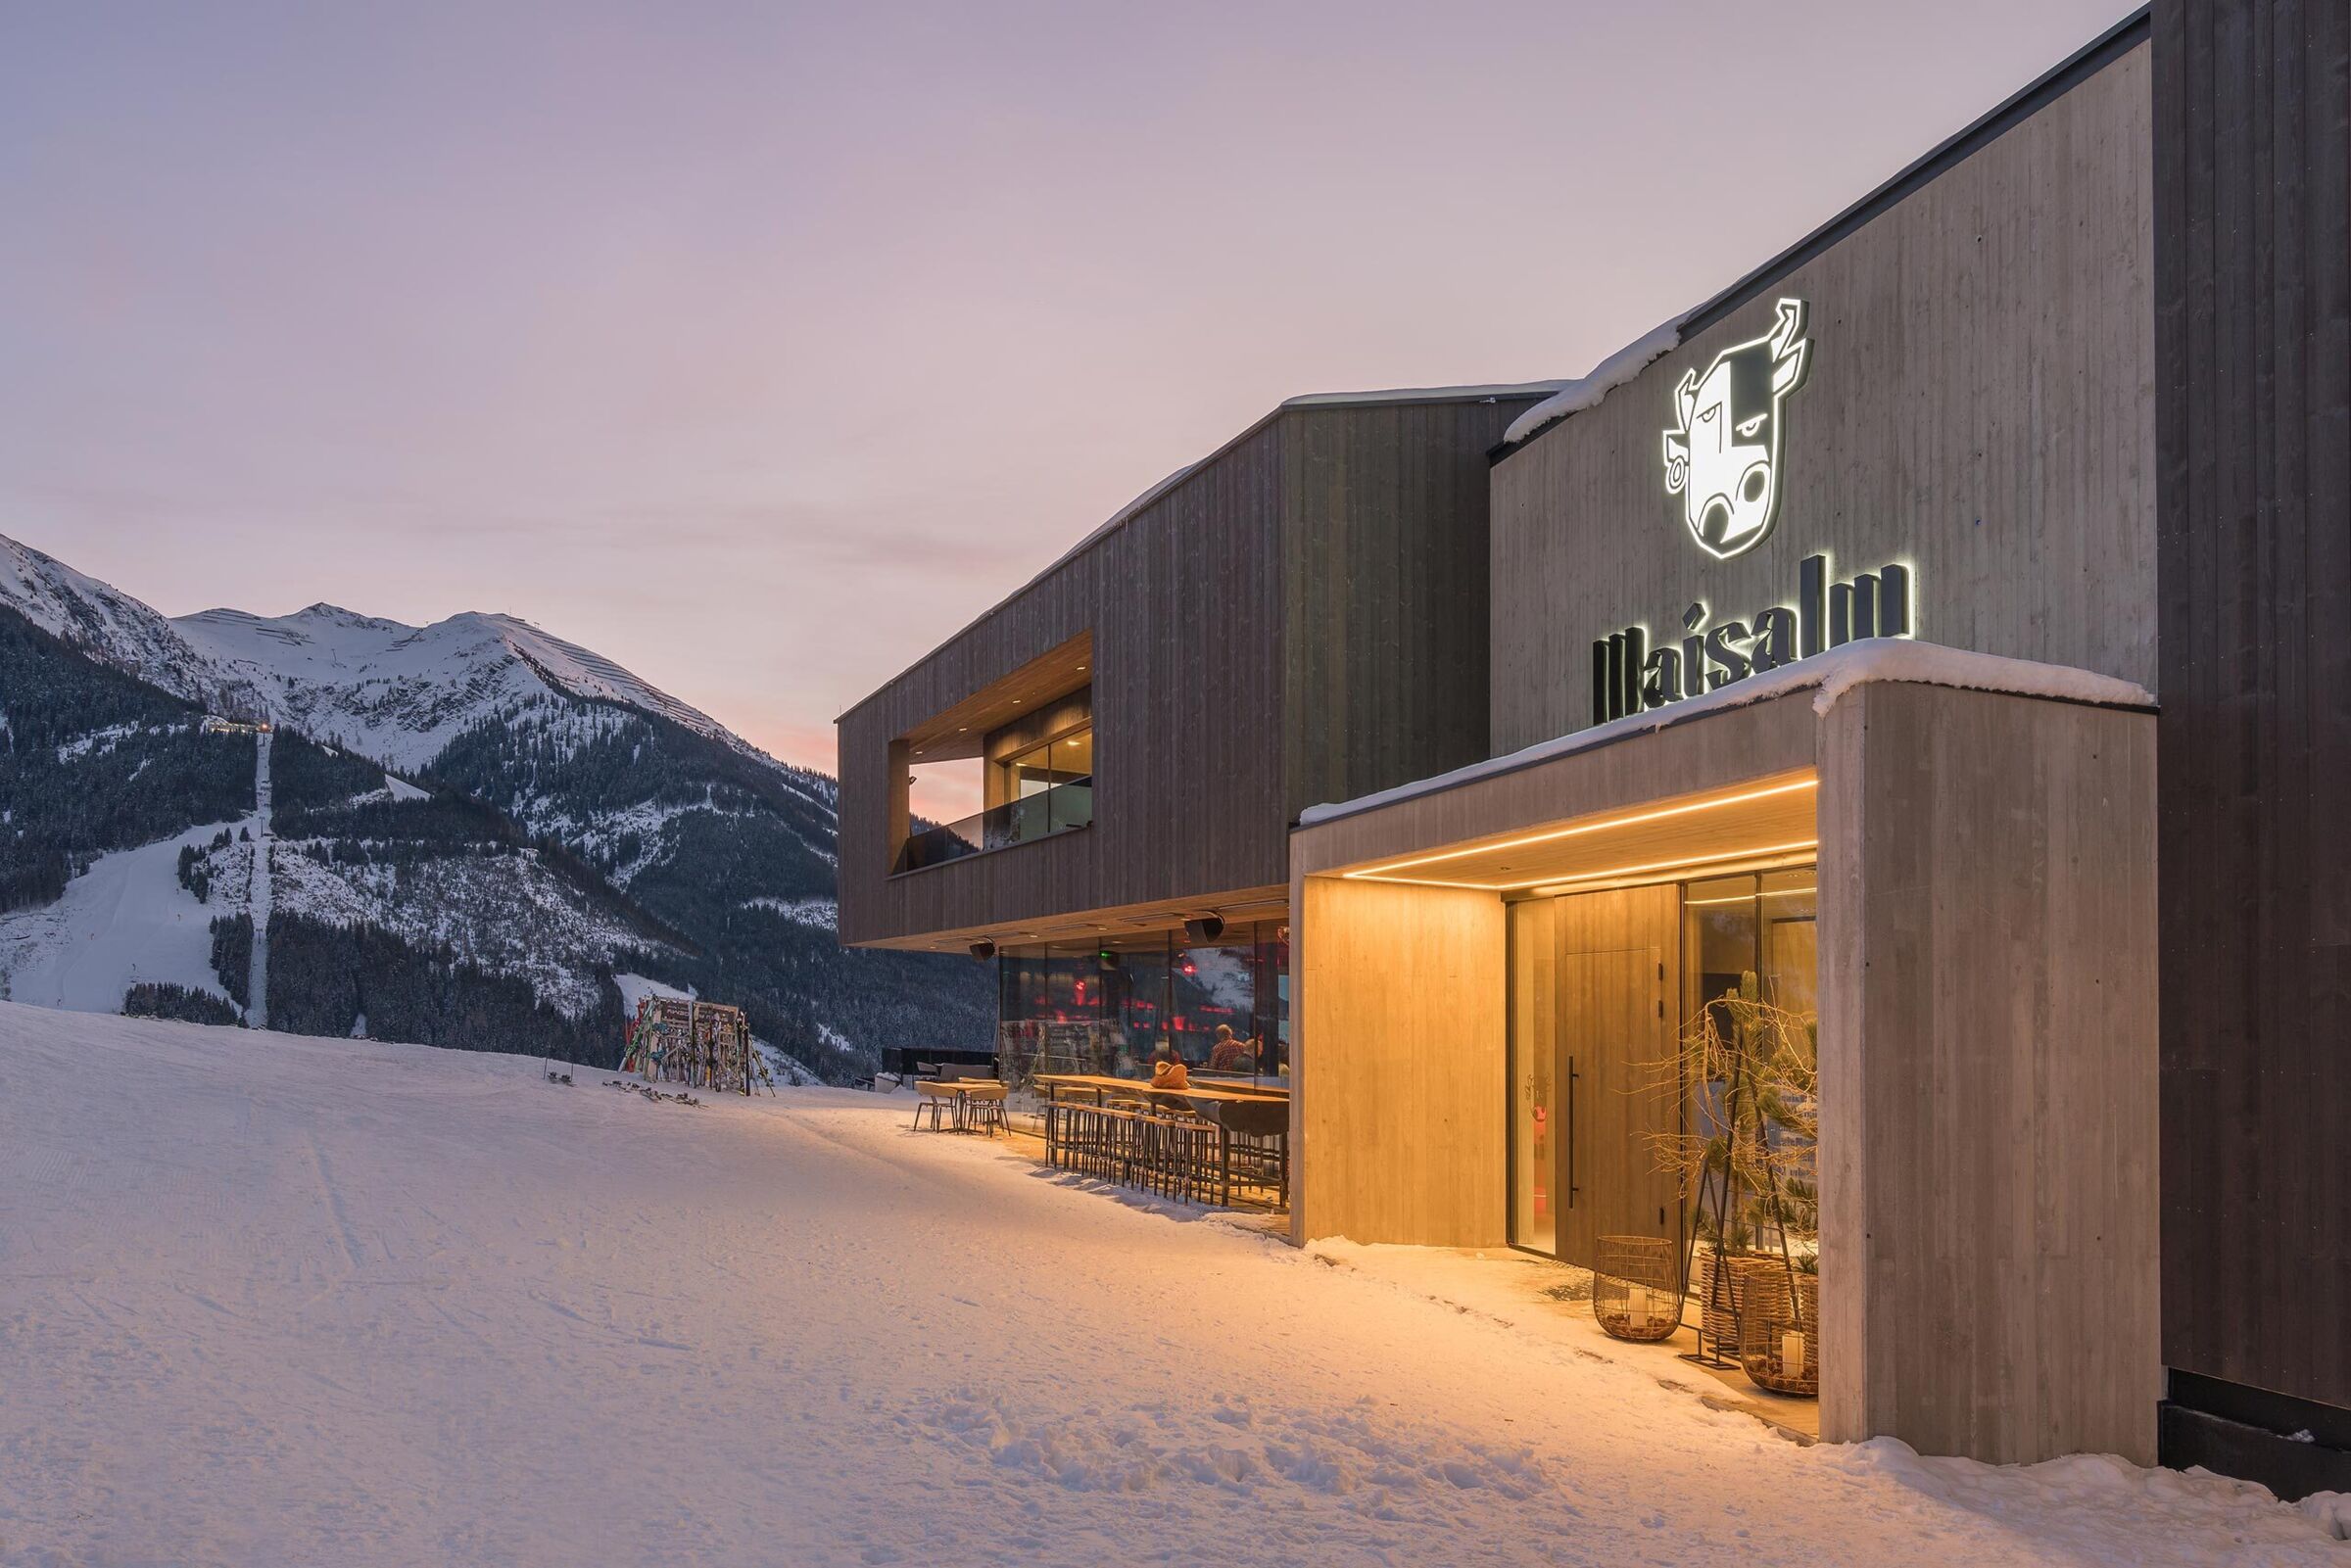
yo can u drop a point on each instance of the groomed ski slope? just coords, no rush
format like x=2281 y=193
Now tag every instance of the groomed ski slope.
x=125 y=921
x=274 y=1299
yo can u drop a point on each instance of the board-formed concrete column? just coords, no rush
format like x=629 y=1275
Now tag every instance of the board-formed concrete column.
x=1988 y=1074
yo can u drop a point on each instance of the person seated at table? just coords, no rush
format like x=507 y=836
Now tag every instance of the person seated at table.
x=1167 y=1070
x=1227 y=1054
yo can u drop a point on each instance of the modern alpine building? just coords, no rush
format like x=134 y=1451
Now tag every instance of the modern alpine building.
x=1941 y=639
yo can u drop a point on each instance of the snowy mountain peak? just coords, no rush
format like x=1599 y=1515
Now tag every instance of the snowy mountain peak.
x=395 y=692
x=337 y=615
x=89 y=614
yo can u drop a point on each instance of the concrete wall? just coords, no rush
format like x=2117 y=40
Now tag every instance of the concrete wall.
x=1979 y=405
x=1988 y=1053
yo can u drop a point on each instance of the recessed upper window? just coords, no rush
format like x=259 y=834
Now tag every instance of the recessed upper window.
x=1037 y=779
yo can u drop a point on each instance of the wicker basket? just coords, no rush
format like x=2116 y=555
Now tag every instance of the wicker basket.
x=1635 y=1295
x=1779 y=1343
x=1721 y=1306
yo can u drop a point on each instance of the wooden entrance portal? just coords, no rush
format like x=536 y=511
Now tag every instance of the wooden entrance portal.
x=1593 y=980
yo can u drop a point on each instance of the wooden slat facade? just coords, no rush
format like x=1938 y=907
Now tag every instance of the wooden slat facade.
x=1300 y=618
x=2252 y=129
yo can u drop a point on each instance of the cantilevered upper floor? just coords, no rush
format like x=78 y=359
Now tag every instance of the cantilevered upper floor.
x=1301 y=616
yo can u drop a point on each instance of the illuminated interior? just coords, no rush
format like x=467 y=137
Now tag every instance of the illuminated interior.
x=1590 y=973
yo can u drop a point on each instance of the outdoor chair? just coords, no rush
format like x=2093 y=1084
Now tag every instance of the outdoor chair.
x=937 y=1100
x=983 y=1106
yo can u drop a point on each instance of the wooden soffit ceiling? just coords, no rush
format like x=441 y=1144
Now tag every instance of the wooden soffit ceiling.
x=1763 y=822
x=958 y=731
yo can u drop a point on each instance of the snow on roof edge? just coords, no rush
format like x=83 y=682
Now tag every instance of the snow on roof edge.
x=1836 y=673
x=1491 y=392
x=1587 y=390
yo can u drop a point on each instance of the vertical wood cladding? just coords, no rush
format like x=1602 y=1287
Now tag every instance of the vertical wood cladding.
x=1384 y=593
x=1315 y=588
x=2252 y=102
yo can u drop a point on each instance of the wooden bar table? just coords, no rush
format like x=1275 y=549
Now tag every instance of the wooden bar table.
x=1101 y=1084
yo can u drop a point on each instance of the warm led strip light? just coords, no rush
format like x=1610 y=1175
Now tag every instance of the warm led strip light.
x=1578 y=829
x=1749 y=898
x=1727 y=859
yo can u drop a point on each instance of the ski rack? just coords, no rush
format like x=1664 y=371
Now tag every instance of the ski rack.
x=705 y=1045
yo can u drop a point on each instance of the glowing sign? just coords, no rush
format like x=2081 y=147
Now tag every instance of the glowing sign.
x=1723 y=460
x=1629 y=677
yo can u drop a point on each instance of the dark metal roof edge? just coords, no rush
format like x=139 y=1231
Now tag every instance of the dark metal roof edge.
x=2012 y=112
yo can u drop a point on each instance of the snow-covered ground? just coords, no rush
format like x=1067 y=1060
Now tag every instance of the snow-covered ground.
x=267 y=1298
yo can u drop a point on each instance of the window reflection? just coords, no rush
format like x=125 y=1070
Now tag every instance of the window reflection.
x=1109 y=1006
x=1050 y=786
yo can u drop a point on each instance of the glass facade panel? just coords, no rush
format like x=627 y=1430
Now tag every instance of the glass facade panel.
x=1735 y=932
x=1110 y=1004
x=1045 y=797
x=1789 y=968
x=1534 y=1056
x=1765 y=927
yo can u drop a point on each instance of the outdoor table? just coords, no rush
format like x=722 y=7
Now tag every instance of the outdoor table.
x=1101 y=1084
x=960 y=1091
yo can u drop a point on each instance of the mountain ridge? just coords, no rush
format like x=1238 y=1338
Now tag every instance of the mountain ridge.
x=273 y=667
x=721 y=843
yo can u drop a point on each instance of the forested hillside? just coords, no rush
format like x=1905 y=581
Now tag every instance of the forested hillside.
x=93 y=760
x=735 y=854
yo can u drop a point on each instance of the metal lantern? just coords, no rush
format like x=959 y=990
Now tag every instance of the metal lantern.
x=1635 y=1295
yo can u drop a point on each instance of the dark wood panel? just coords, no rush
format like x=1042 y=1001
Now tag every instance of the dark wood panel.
x=2252 y=116
x=1211 y=726
x=1386 y=595
x=1198 y=544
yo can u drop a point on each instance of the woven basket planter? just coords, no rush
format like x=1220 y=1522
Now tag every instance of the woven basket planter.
x=1635 y=1295
x=1779 y=1343
x=1720 y=1303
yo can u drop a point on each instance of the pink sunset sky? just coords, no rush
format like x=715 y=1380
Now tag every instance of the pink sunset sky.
x=759 y=348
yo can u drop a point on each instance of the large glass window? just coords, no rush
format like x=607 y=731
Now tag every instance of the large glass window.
x=1111 y=1005
x=1048 y=788
x=1534 y=1058
x=1788 y=902
x=1757 y=931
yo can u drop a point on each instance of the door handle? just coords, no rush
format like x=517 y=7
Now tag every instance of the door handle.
x=1573 y=1075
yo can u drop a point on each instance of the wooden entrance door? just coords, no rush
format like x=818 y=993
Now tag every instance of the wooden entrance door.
x=1591 y=977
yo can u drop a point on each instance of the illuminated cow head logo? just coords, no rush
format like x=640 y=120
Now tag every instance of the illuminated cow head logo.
x=1724 y=458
